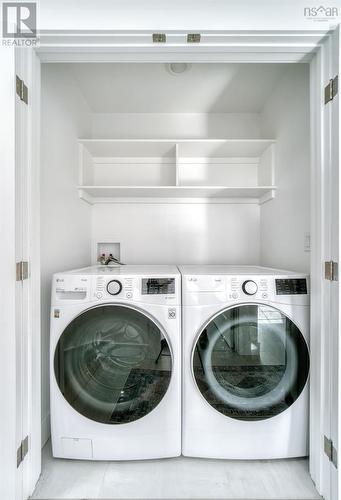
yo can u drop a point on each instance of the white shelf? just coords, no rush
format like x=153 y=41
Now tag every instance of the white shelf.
x=166 y=147
x=213 y=169
x=223 y=148
x=96 y=194
x=129 y=148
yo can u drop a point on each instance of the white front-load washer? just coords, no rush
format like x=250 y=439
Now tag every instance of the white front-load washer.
x=115 y=363
x=245 y=362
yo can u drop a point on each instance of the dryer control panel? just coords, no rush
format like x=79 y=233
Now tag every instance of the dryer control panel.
x=212 y=289
x=289 y=286
x=255 y=286
x=266 y=288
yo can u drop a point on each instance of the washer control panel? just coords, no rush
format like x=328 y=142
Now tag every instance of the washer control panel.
x=110 y=287
x=250 y=287
x=158 y=290
x=154 y=285
x=158 y=286
x=114 y=287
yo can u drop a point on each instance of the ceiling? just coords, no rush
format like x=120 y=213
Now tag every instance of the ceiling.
x=152 y=88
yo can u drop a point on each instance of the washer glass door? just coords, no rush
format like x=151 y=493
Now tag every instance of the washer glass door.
x=113 y=364
x=251 y=362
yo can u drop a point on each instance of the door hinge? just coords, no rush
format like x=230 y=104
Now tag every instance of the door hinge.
x=331 y=270
x=331 y=89
x=193 y=38
x=22 y=451
x=330 y=451
x=22 y=90
x=159 y=38
x=22 y=271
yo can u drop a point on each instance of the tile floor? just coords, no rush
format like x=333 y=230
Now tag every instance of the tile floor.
x=179 y=478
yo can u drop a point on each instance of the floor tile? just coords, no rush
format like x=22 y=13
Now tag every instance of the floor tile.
x=176 y=479
x=68 y=479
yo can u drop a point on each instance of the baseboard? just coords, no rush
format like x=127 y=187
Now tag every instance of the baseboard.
x=45 y=430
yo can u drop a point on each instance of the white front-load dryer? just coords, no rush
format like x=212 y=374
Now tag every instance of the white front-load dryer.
x=115 y=363
x=245 y=362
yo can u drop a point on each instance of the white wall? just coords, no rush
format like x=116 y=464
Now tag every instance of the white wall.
x=286 y=219
x=191 y=15
x=176 y=125
x=65 y=219
x=180 y=233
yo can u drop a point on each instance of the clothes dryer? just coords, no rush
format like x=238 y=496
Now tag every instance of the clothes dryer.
x=245 y=362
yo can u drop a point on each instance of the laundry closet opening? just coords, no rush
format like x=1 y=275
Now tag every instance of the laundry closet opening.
x=173 y=164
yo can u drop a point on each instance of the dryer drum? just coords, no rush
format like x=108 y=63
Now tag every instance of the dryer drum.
x=251 y=362
x=105 y=364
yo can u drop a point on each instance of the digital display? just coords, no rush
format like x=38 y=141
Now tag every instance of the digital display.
x=158 y=286
x=296 y=286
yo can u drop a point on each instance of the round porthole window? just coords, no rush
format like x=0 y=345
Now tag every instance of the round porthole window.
x=113 y=364
x=251 y=362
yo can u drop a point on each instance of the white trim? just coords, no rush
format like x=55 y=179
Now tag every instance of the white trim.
x=216 y=39
x=316 y=257
x=333 y=224
x=215 y=46
x=106 y=55
x=45 y=429
x=8 y=464
x=34 y=456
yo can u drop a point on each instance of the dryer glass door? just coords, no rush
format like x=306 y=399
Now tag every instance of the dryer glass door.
x=113 y=364
x=251 y=362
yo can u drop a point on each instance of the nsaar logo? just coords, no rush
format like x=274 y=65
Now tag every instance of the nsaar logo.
x=321 y=13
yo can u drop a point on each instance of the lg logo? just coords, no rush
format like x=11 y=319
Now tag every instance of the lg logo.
x=19 y=20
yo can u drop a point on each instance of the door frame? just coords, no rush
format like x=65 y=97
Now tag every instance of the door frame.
x=7 y=269
x=228 y=47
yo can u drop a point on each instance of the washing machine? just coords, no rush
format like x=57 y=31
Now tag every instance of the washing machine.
x=245 y=362
x=115 y=363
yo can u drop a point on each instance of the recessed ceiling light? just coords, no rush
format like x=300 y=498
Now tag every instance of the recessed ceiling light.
x=177 y=68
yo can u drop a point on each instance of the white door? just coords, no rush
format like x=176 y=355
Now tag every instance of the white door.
x=22 y=269
x=335 y=256
x=8 y=470
x=331 y=209
x=26 y=274
x=14 y=296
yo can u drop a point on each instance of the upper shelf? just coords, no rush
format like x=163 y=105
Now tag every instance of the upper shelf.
x=120 y=148
x=216 y=169
x=209 y=148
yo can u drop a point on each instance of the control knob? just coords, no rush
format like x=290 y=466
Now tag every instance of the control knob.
x=249 y=287
x=114 y=287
